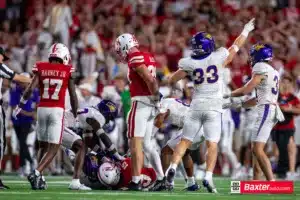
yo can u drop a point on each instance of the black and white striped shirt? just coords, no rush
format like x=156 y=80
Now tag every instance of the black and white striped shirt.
x=5 y=72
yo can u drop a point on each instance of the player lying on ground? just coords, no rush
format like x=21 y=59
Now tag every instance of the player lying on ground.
x=104 y=172
x=265 y=80
x=92 y=122
x=174 y=111
x=53 y=79
x=206 y=67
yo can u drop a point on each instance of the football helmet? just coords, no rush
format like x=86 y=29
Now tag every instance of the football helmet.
x=202 y=44
x=125 y=42
x=61 y=51
x=108 y=174
x=260 y=53
x=108 y=109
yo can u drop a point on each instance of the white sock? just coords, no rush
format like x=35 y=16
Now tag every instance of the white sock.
x=190 y=181
x=202 y=166
x=136 y=179
x=37 y=173
x=77 y=181
x=208 y=175
x=233 y=159
x=173 y=166
x=155 y=161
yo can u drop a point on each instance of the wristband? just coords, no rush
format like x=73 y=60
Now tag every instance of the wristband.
x=245 y=33
x=235 y=47
x=23 y=101
x=99 y=132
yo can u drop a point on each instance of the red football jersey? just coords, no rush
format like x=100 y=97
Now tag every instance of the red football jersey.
x=53 y=83
x=137 y=85
x=149 y=175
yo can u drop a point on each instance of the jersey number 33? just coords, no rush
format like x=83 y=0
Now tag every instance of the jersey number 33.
x=210 y=75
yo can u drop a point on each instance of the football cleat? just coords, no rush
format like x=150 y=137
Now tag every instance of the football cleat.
x=135 y=186
x=192 y=188
x=209 y=185
x=2 y=186
x=34 y=180
x=159 y=185
x=171 y=175
x=42 y=183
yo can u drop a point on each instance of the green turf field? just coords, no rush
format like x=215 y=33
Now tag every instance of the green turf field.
x=58 y=189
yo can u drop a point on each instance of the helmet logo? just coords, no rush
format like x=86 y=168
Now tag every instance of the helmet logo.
x=258 y=47
x=208 y=36
x=111 y=107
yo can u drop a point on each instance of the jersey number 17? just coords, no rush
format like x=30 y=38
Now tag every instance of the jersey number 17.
x=57 y=83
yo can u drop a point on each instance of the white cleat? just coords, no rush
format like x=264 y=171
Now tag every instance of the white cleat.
x=209 y=185
x=292 y=176
x=199 y=175
x=239 y=173
x=76 y=186
x=250 y=173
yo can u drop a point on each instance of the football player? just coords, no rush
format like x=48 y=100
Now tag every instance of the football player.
x=144 y=97
x=265 y=80
x=174 y=111
x=205 y=65
x=54 y=79
x=92 y=121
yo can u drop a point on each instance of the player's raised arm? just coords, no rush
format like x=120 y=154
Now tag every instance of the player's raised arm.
x=73 y=97
x=239 y=41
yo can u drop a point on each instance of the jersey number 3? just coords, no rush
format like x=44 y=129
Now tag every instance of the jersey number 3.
x=212 y=75
x=52 y=82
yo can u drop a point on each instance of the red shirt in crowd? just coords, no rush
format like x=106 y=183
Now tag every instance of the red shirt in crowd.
x=286 y=100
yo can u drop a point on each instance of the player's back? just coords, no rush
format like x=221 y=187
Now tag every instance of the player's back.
x=89 y=112
x=53 y=83
x=178 y=110
x=138 y=87
x=267 y=90
x=207 y=74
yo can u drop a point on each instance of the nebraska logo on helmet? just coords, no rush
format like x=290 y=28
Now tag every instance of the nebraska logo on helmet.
x=59 y=50
x=108 y=174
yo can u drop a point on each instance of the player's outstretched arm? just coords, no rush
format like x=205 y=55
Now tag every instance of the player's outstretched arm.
x=246 y=89
x=27 y=94
x=148 y=78
x=73 y=97
x=97 y=129
x=177 y=76
x=21 y=79
x=239 y=41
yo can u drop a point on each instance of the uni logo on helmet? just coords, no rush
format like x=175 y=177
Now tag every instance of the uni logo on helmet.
x=259 y=46
x=111 y=107
x=208 y=36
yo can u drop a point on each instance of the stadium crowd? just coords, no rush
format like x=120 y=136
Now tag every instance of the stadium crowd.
x=163 y=27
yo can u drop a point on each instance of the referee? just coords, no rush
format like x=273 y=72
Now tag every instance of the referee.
x=6 y=73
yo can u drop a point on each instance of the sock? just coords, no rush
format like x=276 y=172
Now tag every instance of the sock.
x=154 y=158
x=136 y=179
x=37 y=173
x=173 y=166
x=208 y=175
x=190 y=181
x=75 y=181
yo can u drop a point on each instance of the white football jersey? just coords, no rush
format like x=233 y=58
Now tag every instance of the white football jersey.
x=267 y=90
x=207 y=74
x=82 y=115
x=178 y=110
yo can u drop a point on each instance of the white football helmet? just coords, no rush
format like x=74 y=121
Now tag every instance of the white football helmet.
x=109 y=174
x=124 y=42
x=59 y=50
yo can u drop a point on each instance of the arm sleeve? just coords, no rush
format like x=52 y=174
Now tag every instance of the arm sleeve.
x=5 y=72
x=136 y=60
x=184 y=65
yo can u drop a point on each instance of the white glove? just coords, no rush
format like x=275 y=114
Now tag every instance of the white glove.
x=16 y=111
x=226 y=96
x=248 y=27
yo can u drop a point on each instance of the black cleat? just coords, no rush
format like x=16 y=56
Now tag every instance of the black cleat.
x=2 y=186
x=171 y=175
x=34 y=180
x=135 y=186
x=158 y=185
x=42 y=183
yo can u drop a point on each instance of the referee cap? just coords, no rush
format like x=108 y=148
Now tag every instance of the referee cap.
x=2 y=52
